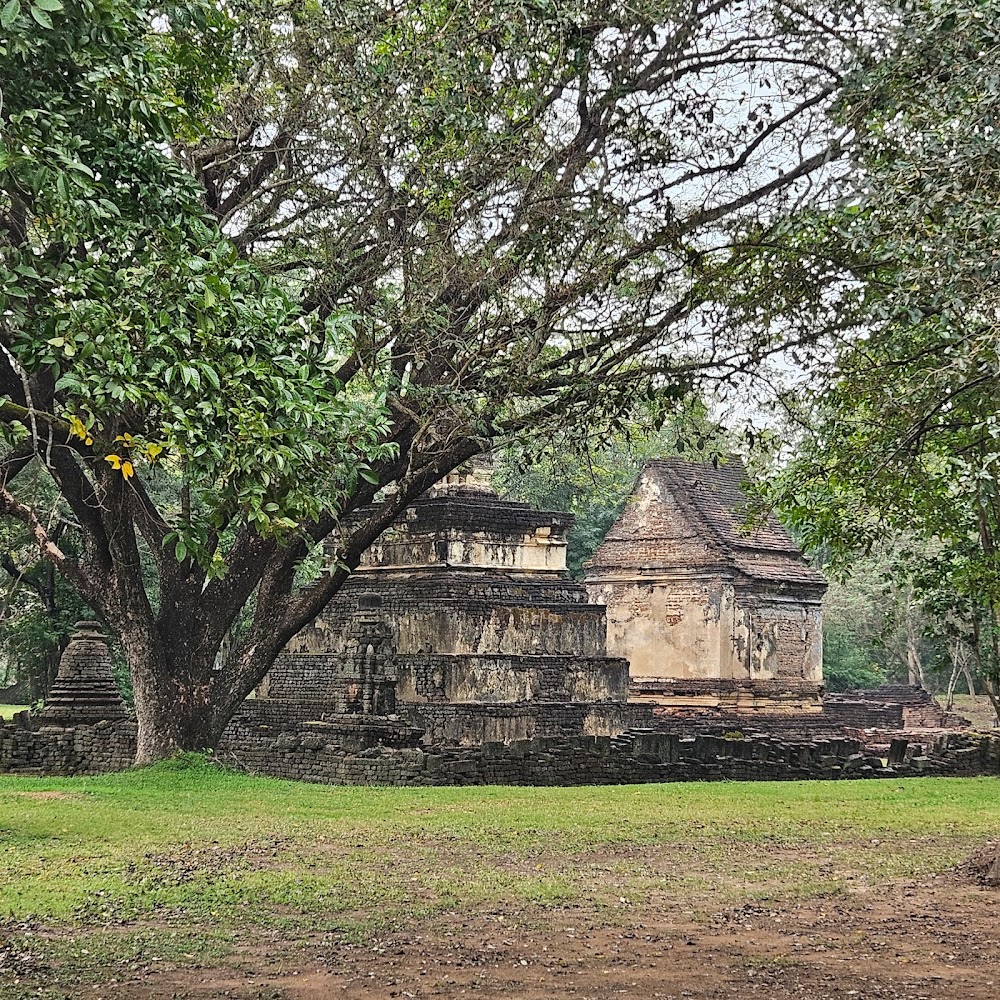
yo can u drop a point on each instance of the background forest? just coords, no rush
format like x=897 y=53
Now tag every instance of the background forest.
x=878 y=625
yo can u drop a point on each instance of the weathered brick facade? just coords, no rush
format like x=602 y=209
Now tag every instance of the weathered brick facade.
x=708 y=614
x=478 y=611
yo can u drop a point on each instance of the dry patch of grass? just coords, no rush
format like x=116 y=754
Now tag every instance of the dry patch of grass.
x=978 y=710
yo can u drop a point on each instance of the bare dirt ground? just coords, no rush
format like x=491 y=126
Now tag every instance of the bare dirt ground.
x=978 y=710
x=936 y=938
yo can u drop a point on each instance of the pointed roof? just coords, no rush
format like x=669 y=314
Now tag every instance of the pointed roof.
x=692 y=515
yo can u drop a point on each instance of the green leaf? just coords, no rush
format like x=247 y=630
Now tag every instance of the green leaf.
x=81 y=167
x=49 y=4
x=9 y=13
x=69 y=382
x=41 y=17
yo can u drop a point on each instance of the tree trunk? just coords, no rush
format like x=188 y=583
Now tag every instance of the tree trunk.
x=993 y=693
x=174 y=702
x=953 y=680
x=969 y=680
x=914 y=668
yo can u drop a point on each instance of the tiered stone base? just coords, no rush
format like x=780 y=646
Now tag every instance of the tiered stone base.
x=893 y=706
x=265 y=719
x=703 y=697
x=84 y=702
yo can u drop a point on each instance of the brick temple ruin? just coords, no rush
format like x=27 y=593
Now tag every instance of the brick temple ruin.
x=486 y=637
x=709 y=613
x=461 y=652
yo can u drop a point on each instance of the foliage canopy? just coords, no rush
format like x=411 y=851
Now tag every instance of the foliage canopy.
x=903 y=433
x=259 y=263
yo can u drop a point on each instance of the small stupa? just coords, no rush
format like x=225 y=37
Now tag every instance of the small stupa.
x=84 y=690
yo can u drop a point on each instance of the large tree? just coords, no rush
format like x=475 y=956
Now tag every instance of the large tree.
x=903 y=429
x=269 y=272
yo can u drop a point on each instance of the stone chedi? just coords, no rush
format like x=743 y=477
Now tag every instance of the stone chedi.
x=488 y=637
x=708 y=614
x=84 y=690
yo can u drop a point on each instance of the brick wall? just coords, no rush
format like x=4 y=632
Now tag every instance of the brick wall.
x=86 y=749
x=893 y=706
x=478 y=723
x=339 y=753
x=627 y=759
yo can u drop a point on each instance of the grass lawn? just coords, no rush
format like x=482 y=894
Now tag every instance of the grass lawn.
x=184 y=860
x=9 y=711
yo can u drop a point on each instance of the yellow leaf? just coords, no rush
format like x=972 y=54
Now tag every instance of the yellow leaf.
x=114 y=461
x=127 y=470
